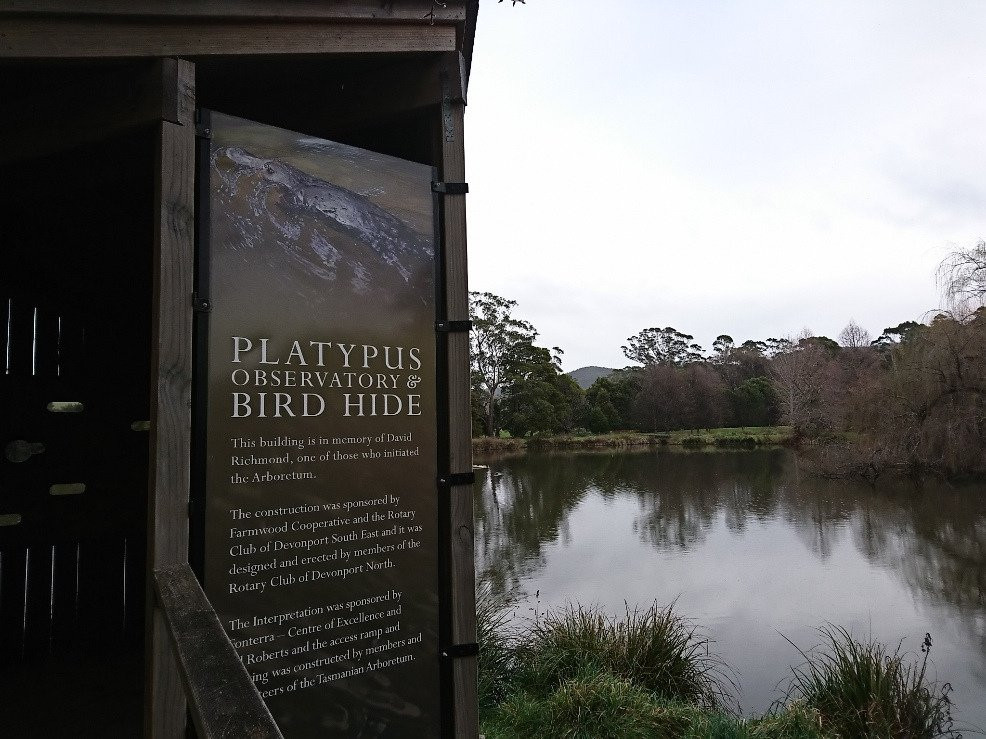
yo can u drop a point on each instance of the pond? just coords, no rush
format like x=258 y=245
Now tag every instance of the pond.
x=753 y=550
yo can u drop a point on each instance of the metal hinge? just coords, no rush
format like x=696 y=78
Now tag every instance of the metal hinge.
x=456 y=478
x=450 y=188
x=453 y=327
x=456 y=651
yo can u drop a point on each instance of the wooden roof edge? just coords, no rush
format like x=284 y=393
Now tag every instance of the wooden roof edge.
x=374 y=11
x=469 y=36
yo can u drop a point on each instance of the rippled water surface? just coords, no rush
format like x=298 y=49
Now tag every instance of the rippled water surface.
x=753 y=550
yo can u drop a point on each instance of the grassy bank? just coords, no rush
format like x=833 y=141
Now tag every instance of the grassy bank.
x=745 y=437
x=651 y=674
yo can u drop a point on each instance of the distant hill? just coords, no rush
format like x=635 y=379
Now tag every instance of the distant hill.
x=585 y=376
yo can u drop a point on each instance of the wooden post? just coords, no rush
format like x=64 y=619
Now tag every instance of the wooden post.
x=171 y=383
x=461 y=564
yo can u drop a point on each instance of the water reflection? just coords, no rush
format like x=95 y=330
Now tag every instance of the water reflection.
x=892 y=558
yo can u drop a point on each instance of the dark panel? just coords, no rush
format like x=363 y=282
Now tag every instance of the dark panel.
x=75 y=268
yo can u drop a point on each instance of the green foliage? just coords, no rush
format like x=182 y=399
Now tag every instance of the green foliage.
x=723 y=348
x=599 y=705
x=578 y=674
x=596 y=420
x=742 y=436
x=539 y=398
x=754 y=402
x=589 y=706
x=862 y=689
x=896 y=334
x=655 y=649
x=498 y=342
x=913 y=400
x=830 y=346
x=667 y=346
x=609 y=402
x=495 y=649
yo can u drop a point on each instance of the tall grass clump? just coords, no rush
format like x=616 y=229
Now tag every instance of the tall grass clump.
x=496 y=658
x=588 y=706
x=654 y=649
x=600 y=705
x=862 y=689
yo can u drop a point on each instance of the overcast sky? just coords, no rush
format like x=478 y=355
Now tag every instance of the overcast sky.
x=749 y=168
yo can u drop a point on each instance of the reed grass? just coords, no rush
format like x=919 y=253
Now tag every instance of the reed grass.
x=576 y=673
x=655 y=649
x=862 y=689
x=496 y=650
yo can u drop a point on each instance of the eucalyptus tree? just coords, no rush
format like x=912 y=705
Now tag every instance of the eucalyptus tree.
x=499 y=344
x=662 y=346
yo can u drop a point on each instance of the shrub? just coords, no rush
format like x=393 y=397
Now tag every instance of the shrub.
x=654 y=649
x=861 y=689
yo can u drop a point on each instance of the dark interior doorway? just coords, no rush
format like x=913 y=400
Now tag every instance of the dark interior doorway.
x=75 y=298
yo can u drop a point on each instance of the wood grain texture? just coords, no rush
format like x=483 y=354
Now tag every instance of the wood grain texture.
x=413 y=11
x=101 y=37
x=223 y=699
x=171 y=380
x=462 y=563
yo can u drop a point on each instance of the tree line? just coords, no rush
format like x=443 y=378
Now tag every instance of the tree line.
x=915 y=396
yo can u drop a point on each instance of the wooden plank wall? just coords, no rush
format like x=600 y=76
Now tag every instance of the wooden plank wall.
x=71 y=547
x=74 y=369
x=171 y=384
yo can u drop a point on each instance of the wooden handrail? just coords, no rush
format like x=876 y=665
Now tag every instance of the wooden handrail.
x=222 y=698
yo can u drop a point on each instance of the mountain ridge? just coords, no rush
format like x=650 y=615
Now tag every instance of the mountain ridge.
x=585 y=376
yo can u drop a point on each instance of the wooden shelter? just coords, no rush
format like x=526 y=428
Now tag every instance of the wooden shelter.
x=103 y=628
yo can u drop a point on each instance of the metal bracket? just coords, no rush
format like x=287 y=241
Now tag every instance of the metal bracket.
x=202 y=130
x=456 y=478
x=457 y=651
x=453 y=327
x=450 y=188
x=201 y=304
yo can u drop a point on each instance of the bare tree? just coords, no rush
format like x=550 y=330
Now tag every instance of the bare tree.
x=797 y=376
x=962 y=278
x=854 y=336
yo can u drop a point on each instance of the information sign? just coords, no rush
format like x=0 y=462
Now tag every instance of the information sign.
x=320 y=534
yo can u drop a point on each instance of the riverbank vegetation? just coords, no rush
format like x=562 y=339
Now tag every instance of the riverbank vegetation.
x=913 y=399
x=653 y=674
x=744 y=437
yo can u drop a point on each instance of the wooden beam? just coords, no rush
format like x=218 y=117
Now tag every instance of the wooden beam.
x=94 y=107
x=462 y=562
x=223 y=700
x=24 y=37
x=414 y=11
x=171 y=383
